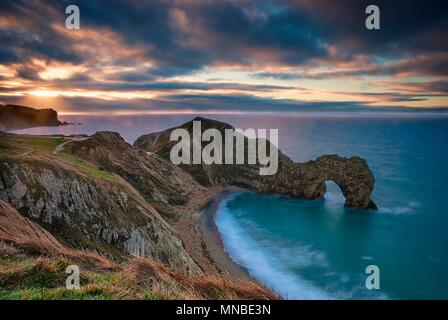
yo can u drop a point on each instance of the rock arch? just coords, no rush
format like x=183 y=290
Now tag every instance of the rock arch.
x=302 y=180
x=351 y=175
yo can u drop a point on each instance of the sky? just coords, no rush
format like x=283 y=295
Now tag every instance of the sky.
x=224 y=56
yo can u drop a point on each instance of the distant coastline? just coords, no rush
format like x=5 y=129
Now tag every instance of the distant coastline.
x=15 y=117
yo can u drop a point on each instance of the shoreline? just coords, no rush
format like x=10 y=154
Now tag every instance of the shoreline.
x=200 y=236
x=213 y=241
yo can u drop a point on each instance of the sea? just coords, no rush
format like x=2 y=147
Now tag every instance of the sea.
x=304 y=249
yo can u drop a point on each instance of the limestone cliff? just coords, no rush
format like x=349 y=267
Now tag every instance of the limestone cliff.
x=13 y=117
x=303 y=180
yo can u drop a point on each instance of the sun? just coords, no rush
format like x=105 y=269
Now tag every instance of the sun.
x=42 y=93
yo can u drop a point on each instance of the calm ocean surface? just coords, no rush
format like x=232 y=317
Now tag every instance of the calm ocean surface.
x=319 y=249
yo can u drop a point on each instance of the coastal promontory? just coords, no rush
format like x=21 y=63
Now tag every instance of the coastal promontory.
x=14 y=117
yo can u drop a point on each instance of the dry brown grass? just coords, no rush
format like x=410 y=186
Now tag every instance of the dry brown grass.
x=42 y=260
x=22 y=231
x=139 y=278
x=178 y=285
x=29 y=236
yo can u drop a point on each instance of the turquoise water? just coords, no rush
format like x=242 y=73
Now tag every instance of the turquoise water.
x=319 y=249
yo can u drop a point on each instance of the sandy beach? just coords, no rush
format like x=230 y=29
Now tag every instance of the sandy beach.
x=213 y=242
x=200 y=235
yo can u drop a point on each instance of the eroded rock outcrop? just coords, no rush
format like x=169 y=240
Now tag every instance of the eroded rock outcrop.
x=303 y=180
x=158 y=180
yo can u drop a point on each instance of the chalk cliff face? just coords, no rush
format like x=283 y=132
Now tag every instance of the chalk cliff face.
x=13 y=117
x=303 y=180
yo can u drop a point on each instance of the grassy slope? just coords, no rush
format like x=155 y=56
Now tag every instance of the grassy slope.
x=16 y=145
x=86 y=167
x=9 y=150
x=39 y=144
x=27 y=278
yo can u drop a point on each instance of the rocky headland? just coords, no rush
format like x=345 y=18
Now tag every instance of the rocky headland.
x=14 y=117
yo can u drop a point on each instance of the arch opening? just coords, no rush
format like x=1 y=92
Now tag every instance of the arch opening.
x=333 y=194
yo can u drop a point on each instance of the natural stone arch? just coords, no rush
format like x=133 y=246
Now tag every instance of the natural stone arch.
x=351 y=175
x=302 y=180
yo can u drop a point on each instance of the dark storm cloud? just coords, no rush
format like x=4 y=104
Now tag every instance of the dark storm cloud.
x=184 y=36
x=215 y=31
x=28 y=72
x=405 y=25
x=30 y=34
x=251 y=103
x=83 y=82
x=237 y=30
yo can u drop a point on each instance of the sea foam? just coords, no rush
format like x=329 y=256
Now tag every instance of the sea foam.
x=265 y=268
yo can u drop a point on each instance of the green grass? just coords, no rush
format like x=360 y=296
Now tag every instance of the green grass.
x=88 y=293
x=38 y=273
x=29 y=277
x=42 y=145
x=88 y=168
x=35 y=279
x=37 y=143
x=44 y=279
x=7 y=150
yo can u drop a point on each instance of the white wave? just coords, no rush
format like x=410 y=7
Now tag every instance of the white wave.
x=400 y=209
x=263 y=267
x=368 y=258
